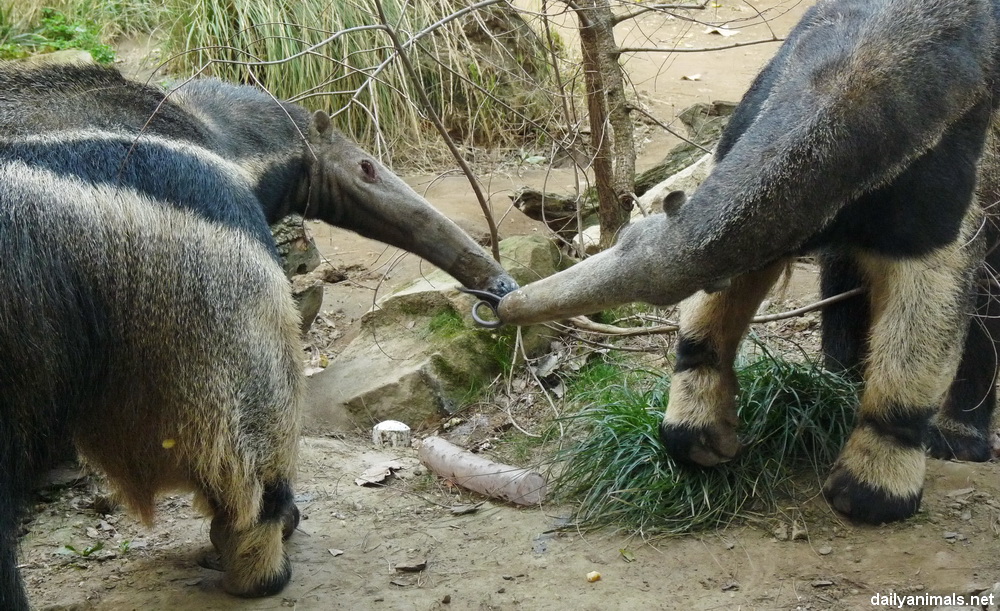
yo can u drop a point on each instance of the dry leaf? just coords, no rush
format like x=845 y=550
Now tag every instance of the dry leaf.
x=721 y=31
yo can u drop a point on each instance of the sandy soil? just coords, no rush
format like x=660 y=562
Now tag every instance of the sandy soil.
x=352 y=538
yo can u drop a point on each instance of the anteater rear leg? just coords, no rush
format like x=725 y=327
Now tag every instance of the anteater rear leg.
x=961 y=429
x=919 y=309
x=12 y=595
x=700 y=422
x=846 y=322
x=253 y=558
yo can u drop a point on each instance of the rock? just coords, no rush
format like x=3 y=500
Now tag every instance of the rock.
x=419 y=355
x=704 y=123
x=308 y=295
x=992 y=597
x=651 y=201
x=780 y=532
x=686 y=180
x=297 y=249
x=558 y=212
x=299 y=255
x=799 y=532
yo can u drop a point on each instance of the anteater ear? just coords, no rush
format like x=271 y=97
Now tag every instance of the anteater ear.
x=673 y=202
x=321 y=123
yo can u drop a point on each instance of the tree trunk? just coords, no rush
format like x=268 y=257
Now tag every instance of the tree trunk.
x=610 y=124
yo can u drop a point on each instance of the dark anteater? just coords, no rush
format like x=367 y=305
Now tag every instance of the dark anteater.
x=861 y=140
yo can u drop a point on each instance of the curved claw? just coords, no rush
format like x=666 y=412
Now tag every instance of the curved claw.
x=488 y=300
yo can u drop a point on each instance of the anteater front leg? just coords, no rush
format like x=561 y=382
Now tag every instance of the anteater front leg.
x=700 y=422
x=919 y=309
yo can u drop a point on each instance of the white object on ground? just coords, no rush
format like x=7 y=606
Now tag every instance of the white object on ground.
x=391 y=433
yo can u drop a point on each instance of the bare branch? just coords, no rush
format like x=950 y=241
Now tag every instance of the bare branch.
x=436 y=120
x=737 y=45
x=658 y=7
x=585 y=324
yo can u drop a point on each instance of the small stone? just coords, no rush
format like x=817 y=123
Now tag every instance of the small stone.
x=799 y=532
x=825 y=550
x=781 y=532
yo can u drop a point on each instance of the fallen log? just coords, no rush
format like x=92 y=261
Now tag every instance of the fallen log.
x=468 y=470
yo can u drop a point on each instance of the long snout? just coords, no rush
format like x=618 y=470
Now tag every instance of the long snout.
x=593 y=285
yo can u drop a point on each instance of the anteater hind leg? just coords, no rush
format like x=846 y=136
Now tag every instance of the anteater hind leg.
x=919 y=309
x=846 y=322
x=12 y=595
x=700 y=422
x=253 y=558
x=962 y=428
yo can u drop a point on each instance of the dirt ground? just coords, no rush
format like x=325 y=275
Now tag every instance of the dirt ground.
x=353 y=541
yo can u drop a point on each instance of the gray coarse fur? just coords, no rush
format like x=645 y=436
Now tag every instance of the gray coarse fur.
x=246 y=159
x=164 y=347
x=861 y=90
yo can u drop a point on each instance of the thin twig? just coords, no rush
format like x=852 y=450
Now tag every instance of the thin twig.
x=658 y=7
x=436 y=120
x=737 y=45
x=585 y=324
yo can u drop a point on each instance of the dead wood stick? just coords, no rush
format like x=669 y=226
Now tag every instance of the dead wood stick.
x=468 y=470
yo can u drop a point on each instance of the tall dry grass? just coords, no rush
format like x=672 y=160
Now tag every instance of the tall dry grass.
x=486 y=73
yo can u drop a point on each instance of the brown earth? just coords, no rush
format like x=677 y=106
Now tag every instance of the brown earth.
x=352 y=538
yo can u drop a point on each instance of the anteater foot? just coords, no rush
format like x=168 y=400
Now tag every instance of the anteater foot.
x=951 y=440
x=290 y=521
x=253 y=560
x=863 y=502
x=706 y=446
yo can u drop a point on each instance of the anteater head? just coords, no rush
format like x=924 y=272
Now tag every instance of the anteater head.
x=650 y=262
x=349 y=188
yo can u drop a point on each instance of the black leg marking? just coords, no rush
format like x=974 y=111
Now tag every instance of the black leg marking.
x=694 y=354
x=845 y=323
x=698 y=446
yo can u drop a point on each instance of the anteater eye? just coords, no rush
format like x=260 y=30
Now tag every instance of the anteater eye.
x=368 y=168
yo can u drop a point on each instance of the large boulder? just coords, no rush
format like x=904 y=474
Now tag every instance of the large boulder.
x=419 y=355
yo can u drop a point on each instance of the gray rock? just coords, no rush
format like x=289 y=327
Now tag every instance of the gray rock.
x=299 y=256
x=419 y=355
x=307 y=291
x=298 y=251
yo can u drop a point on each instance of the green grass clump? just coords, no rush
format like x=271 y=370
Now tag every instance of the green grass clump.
x=54 y=32
x=795 y=416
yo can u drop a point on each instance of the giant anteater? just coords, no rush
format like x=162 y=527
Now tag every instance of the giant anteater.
x=119 y=195
x=861 y=140
x=165 y=347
